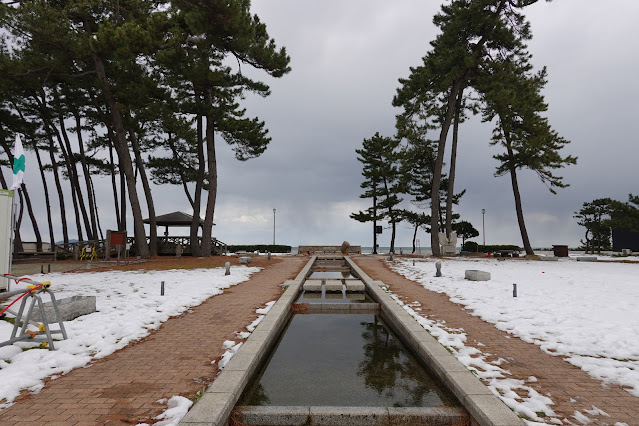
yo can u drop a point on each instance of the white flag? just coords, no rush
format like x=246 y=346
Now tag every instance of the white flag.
x=18 y=163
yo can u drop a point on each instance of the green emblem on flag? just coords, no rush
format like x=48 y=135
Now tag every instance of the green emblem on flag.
x=18 y=164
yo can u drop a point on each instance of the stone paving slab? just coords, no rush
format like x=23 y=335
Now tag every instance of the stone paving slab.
x=122 y=389
x=570 y=388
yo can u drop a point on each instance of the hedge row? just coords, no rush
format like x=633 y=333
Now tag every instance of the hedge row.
x=262 y=248
x=474 y=247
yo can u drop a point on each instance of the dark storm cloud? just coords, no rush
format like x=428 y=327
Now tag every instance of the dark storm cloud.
x=346 y=58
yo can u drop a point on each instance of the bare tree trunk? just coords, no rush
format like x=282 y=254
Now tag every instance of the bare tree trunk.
x=67 y=153
x=34 y=222
x=23 y=189
x=375 y=221
x=520 y=213
x=212 y=169
x=85 y=170
x=17 y=240
x=47 y=201
x=122 y=197
x=153 y=231
x=197 y=202
x=439 y=163
x=122 y=149
x=58 y=186
x=3 y=182
x=97 y=214
x=415 y=238
x=453 y=162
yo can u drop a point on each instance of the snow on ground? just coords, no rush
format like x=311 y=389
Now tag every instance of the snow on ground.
x=583 y=311
x=129 y=305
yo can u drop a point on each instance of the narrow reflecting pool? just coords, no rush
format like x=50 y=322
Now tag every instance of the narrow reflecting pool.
x=349 y=360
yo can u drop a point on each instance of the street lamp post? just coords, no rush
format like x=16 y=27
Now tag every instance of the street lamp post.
x=273 y=226
x=483 y=225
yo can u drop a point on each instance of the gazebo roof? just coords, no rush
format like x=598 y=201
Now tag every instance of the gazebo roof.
x=174 y=219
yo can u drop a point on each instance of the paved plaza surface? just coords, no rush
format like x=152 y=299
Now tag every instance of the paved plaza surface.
x=570 y=388
x=124 y=387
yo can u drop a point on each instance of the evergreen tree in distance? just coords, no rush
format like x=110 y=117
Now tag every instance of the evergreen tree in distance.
x=379 y=158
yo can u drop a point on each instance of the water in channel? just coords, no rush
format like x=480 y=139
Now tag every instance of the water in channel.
x=348 y=360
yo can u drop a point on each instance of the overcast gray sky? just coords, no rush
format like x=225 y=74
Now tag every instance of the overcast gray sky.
x=347 y=57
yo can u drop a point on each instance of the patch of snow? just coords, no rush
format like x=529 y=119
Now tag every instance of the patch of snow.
x=129 y=307
x=177 y=407
x=585 y=312
x=581 y=418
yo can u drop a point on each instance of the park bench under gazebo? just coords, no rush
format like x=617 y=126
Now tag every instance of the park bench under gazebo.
x=167 y=244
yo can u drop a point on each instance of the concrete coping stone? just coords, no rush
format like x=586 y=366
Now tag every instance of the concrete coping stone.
x=548 y=258
x=333 y=285
x=244 y=260
x=312 y=285
x=587 y=259
x=355 y=285
x=476 y=275
x=350 y=416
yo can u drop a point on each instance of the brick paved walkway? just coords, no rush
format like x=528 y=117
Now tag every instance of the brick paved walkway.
x=176 y=360
x=570 y=388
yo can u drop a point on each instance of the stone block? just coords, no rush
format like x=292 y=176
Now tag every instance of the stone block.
x=333 y=285
x=70 y=308
x=476 y=275
x=355 y=285
x=244 y=260
x=548 y=258
x=313 y=285
x=587 y=259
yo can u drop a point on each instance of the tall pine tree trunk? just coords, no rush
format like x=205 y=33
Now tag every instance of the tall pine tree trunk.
x=23 y=190
x=17 y=239
x=415 y=237
x=67 y=153
x=212 y=175
x=439 y=163
x=123 y=203
x=520 y=212
x=453 y=162
x=47 y=202
x=122 y=149
x=374 y=223
x=58 y=187
x=85 y=170
x=153 y=230
x=196 y=249
x=34 y=222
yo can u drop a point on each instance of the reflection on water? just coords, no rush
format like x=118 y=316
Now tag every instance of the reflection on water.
x=349 y=360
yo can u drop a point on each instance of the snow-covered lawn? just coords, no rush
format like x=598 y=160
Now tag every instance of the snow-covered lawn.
x=586 y=312
x=129 y=305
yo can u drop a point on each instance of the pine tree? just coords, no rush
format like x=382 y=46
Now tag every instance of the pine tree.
x=379 y=157
x=470 y=32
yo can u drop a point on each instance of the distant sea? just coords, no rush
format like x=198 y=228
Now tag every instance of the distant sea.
x=404 y=250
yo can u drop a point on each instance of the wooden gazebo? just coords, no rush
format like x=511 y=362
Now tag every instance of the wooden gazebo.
x=167 y=244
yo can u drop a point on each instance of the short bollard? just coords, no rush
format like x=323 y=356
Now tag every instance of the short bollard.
x=227 y=265
x=88 y=266
x=42 y=269
x=391 y=256
x=269 y=255
x=48 y=268
x=413 y=262
x=438 y=265
x=514 y=290
x=162 y=289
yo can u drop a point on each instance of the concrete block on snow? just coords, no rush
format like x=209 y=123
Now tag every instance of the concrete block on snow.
x=477 y=275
